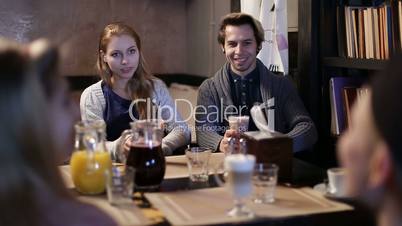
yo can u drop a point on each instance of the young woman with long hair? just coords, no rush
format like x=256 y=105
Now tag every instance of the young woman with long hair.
x=128 y=92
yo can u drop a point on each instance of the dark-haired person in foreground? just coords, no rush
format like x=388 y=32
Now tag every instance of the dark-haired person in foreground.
x=371 y=149
x=243 y=81
x=36 y=133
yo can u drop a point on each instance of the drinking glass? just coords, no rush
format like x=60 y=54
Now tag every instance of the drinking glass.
x=197 y=162
x=236 y=144
x=120 y=185
x=239 y=171
x=239 y=123
x=265 y=178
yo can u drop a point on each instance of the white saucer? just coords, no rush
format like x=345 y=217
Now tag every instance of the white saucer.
x=322 y=188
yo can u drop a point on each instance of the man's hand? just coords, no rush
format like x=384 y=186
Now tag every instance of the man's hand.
x=224 y=144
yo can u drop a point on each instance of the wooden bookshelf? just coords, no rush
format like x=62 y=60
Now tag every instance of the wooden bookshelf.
x=322 y=55
x=354 y=63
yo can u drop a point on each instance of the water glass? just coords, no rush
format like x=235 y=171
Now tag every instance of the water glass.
x=265 y=178
x=120 y=185
x=197 y=162
x=239 y=123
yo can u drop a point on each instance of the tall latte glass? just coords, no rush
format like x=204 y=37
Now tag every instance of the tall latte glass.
x=146 y=155
x=239 y=169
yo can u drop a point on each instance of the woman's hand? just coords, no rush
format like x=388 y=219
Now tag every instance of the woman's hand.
x=126 y=146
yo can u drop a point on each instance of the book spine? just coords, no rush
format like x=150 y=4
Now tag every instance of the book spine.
x=389 y=30
x=361 y=34
x=366 y=34
x=376 y=34
x=386 y=34
x=340 y=23
x=334 y=115
x=400 y=23
x=355 y=36
x=348 y=33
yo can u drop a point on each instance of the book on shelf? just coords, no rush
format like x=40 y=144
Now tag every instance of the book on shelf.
x=367 y=33
x=389 y=30
x=395 y=13
x=371 y=32
x=362 y=52
x=376 y=34
x=400 y=21
x=337 y=102
x=349 y=98
x=349 y=50
x=355 y=32
x=352 y=95
x=341 y=32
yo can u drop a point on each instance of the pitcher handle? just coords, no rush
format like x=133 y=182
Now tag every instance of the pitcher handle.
x=120 y=152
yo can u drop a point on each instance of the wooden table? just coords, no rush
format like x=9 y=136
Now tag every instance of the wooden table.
x=304 y=174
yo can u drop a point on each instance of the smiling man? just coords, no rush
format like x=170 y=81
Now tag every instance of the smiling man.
x=243 y=81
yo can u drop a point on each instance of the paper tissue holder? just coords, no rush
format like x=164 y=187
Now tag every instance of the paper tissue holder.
x=272 y=147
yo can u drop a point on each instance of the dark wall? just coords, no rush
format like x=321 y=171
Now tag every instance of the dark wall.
x=76 y=25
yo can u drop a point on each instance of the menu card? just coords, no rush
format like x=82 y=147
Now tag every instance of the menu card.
x=209 y=206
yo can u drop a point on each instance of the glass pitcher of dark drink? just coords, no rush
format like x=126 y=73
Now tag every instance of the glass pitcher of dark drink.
x=146 y=154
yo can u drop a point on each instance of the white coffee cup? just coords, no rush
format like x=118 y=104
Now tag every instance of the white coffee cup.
x=337 y=181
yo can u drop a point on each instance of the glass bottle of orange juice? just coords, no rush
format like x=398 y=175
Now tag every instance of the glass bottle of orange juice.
x=90 y=159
